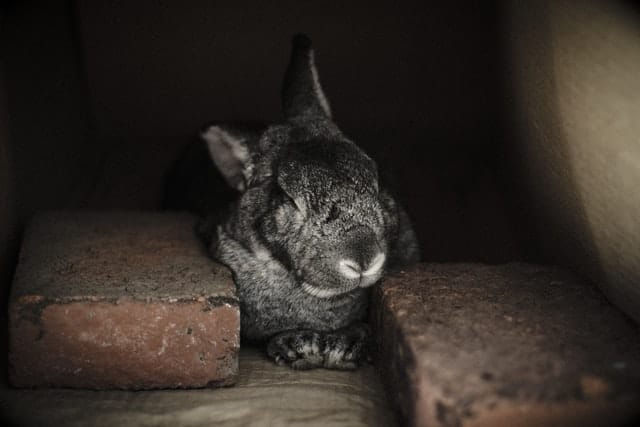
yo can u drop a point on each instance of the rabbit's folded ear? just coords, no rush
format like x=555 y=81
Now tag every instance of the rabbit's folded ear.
x=229 y=151
x=302 y=96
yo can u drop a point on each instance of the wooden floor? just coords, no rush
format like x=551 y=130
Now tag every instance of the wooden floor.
x=265 y=395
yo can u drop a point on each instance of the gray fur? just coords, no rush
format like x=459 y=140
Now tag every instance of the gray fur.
x=310 y=198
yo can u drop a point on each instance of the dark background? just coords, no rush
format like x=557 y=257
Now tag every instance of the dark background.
x=97 y=100
x=103 y=95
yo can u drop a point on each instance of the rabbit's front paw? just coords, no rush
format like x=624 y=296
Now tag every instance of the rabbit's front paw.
x=301 y=349
x=346 y=348
x=342 y=349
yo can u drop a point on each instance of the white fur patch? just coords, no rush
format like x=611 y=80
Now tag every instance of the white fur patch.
x=318 y=292
x=334 y=357
x=262 y=253
x=376 y=265
x=351 y=270
x=348 y=268
x=310 y=348
x=302 y=207
x=229 y=154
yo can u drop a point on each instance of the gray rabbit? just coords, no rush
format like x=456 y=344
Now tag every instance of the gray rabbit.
x=311 y=231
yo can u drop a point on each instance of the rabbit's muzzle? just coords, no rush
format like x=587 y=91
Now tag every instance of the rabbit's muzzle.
x=352 y=270
x=363 y=259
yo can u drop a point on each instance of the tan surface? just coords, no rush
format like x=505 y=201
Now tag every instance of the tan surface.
x=573 y=69
x=265 y=395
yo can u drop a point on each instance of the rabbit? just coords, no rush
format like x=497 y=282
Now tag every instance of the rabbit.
x=311 y=231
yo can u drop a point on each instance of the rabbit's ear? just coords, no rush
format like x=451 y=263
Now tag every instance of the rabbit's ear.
x=302 y=96
x=230 y=152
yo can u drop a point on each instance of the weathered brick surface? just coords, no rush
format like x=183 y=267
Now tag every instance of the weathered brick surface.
x=120 y=300
x=517 y=345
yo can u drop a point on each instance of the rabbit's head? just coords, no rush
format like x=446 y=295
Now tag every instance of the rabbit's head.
x=310 y=197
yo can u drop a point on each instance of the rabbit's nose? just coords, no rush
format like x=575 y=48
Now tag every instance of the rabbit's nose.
x=353 y=270
x=375 y=266
x=349 y=268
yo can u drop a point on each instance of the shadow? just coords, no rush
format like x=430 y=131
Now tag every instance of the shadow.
x=540 y=173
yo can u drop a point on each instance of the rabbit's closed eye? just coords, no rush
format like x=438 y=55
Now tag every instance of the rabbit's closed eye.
x=334 y=213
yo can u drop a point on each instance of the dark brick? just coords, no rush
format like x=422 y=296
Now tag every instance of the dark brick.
x=121 y=300
x=517 y=345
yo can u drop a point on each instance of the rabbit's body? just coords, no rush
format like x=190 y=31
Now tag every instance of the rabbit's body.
x=272 y=299
x=311 y=231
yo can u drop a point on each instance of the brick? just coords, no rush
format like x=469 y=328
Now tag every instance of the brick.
x=517 y=345
x=120 y=300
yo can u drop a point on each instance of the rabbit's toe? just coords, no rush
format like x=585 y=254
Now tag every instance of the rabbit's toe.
x=346 y=348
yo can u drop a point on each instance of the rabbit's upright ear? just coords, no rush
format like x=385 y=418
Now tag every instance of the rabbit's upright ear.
x=229 y=151
x=302 y=96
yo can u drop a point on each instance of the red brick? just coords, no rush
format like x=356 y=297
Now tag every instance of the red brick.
x=121 y=300
x=517 y=345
